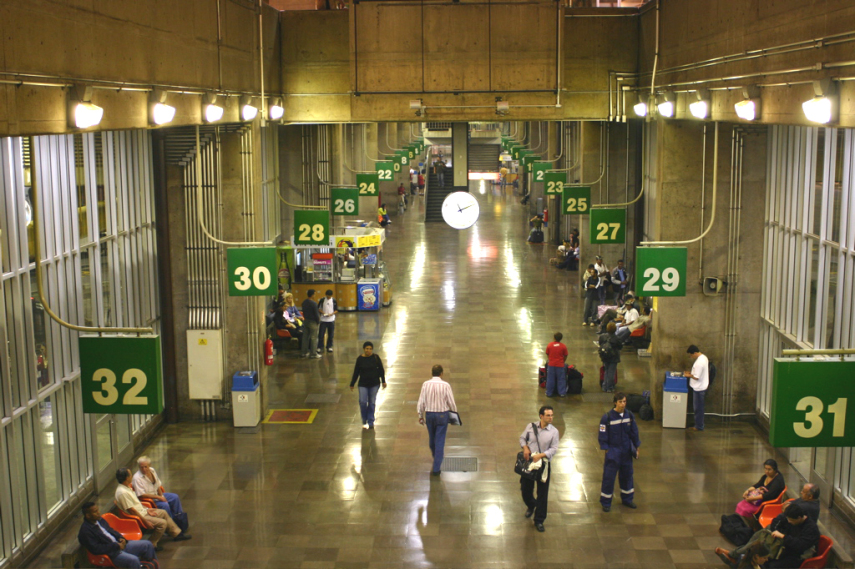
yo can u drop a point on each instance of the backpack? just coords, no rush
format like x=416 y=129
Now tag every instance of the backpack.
x=635 y=401
x=735 y=530
x=646 y=412
x=607 y=352
x=712 y=373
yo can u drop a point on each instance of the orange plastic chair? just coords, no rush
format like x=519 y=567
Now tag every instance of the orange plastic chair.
x=129 y=529
x=769 y=512
x=127 y=516
x=777 y=500
x=821 y=558
x=638 y=332
x=99 y=560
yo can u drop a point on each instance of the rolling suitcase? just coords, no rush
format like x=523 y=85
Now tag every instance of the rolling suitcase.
x=574 y=380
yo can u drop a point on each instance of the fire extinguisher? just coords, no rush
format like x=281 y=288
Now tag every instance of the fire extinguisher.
x=268 y=352
x=545 y=215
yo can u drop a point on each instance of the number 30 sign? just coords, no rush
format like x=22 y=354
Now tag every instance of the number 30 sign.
x=661 y=271
x=121 y=375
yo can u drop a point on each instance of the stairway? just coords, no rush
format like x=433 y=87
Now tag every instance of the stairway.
x=435 y=195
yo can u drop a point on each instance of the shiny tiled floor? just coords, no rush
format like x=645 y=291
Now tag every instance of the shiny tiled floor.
x=483 y=303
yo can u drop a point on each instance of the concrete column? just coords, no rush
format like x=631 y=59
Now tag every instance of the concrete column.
x=589 y=170
x=290 y=174
x=460 y=153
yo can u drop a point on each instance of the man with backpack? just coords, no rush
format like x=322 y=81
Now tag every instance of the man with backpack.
x=609 y=352
x=699 y=381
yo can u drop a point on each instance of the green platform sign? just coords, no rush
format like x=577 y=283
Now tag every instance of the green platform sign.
x=813 y=404
x=403 y=157
x=527 y=161
x=411 y=152
x=368 y=184
x=121 y=375
x=553 y=182
x=516 y=151
x=385 y=170
x=576 y=200
x=608 y=225
x=312 y=227
x=396 y=162
x=661 y=271
x=344 y=201
x=252 y=271
x=539 y=170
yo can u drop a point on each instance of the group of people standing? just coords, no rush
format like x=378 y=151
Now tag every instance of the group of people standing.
x=314 y=325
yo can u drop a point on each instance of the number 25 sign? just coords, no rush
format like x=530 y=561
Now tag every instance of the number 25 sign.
x=813 y=404
x=121 y=375
x=661 y=271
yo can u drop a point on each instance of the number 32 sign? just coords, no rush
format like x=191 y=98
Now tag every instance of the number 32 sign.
x=812 y=404
x=121 y=375
x=661 y=271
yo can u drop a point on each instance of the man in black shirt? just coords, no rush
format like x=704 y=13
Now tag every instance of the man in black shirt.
x=313 y=321
x=99 y=538
x=808 y=500
x=788 y=537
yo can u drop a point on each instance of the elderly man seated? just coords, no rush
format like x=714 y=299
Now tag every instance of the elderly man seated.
x=808 y=500
x=791 y=537
x=127 y=500
x=148 y=486
x=99 y=538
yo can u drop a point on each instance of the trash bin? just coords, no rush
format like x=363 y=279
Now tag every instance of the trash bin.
x=246 y=399
x=675 y=396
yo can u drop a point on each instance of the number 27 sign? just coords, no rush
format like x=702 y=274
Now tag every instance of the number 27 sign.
x=121 y=375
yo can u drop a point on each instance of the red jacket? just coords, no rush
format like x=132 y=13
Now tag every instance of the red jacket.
x=401 y=190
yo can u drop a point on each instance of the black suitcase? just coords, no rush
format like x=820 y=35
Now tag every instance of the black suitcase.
x=536 y=237
x=635 y=401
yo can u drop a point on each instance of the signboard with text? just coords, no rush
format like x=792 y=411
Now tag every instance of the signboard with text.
x=608 y=225
x=385 y=170
x=368 y=184
x=344 y=201
x=121 y=375
x=252 y=271
x=576 y=200
x=661 y=271
x=553 y=182
x=312 y=228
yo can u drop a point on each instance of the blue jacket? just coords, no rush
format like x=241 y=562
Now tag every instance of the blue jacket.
x=618 y=433
x=94 y=540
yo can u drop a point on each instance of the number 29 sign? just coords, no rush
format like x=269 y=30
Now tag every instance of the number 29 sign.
x=813 y=404
x=661 y=271
x=121 y=375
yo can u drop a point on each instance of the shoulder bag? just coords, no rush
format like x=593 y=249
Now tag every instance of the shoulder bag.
x=521 y=466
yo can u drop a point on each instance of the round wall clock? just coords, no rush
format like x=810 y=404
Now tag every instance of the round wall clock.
x=460 y=210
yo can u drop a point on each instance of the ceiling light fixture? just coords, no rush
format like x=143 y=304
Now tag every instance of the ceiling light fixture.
x=212 y=111
x=275 y=109
x=665 y=104
x=823 y=107
x=159 y=112
x=748 y=109
x=640 y=107
x=700 y=109
x=81 y=112
x=248 y=108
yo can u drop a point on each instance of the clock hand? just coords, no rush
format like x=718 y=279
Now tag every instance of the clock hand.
x=468 y=206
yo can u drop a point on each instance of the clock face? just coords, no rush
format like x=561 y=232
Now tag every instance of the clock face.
x=460 y=210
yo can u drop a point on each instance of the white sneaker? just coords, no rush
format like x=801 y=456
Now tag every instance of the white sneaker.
x=329 y=349
x=315 y=356
x=365 y=426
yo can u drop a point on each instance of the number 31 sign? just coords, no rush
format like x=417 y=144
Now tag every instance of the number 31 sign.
x=661 y=271
x=812 y=404
x=121 y=375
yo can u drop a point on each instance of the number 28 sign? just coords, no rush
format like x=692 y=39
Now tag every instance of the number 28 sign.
x=121 y=375
x=813 y=404
x=661 y=271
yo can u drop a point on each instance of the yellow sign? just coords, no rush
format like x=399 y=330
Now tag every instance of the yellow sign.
x=367 y=241
x=203 y=342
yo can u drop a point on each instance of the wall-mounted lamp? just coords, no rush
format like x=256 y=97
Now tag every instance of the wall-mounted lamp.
x=748 y=109
x=159 y=113
x=700 y=109
x=665 y=104
x=823 y=107
x=275 y=110
x=418 y=106
x=640 y=107
x=81 y=112
x=248 y=108
x=502 y=108
x=210 y=109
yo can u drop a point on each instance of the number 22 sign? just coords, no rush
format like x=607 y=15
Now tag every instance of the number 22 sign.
x=121 y=375
x=661 y=271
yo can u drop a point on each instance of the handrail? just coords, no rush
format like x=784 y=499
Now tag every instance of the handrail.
x=838 y=352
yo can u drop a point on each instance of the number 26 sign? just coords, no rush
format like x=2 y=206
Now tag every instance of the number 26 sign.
x=661 y=271
x=121 y=375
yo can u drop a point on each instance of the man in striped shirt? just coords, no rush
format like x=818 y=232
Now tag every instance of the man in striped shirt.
x=435 y=401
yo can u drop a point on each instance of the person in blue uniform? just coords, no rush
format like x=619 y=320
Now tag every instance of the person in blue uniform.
x=619 y=438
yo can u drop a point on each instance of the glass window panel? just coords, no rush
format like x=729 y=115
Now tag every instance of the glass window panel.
x=99 y=181
x=17 y=455
x=80 y=185
x=814 y=275
x=837 y=189
x=106 y=287
x=123 y=430
x=819 y=170
x=12 y=340
x=40 y=332
x=86 y=285
x=831 y=299
x=105 y=444
x=49 y=449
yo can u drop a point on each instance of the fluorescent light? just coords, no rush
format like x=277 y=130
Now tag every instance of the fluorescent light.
x=746 y=109
x=699 y=109
x=640 y=109
x=87 y=115
x=277 y=111
x=818 y=110
x=213 y=112
x=248 y=108
x=666 y=109
x=162 y=113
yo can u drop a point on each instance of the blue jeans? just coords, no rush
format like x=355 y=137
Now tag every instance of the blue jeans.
x=367 y=399
x=609 y=375
x=556 y=378
x=590 y=309
x=329 y=328
x=134 y=551
x=698 y=402
x=437 y=425
x=172 y=506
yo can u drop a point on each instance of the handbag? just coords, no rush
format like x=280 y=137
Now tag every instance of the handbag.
x=454 y=418
x=522 y=465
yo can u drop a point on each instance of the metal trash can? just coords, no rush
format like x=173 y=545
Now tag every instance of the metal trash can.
x=675 y=397
x=246 y=399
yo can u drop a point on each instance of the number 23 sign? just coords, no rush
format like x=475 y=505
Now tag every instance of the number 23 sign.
x=121 y=375
x=812 y=404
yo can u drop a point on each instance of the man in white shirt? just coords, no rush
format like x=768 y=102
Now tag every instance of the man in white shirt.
x=328 y=308
x=435 y=401
x=127 y=500
x=627 y=316
x=605 y=279
x=146 y=483
x=699 y=381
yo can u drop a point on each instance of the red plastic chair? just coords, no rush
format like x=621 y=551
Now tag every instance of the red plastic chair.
x=129 y=529
x=769 y=512
x=777 y=500
x=822 y=552
x=127 y=516
x=638 y=332
x=99 y=560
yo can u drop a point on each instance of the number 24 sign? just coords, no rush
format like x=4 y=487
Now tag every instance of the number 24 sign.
x=121 y=375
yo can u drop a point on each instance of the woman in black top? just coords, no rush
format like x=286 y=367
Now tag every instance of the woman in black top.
x=371 y=375
x=591 y=296
x=772 y=480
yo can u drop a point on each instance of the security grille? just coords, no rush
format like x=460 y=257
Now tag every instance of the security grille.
x=460 y=464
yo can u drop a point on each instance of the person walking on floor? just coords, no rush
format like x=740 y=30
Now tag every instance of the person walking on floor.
x=699 y=381
x=619 y=438
x=435 y=401
x=609 y=352
x=327 y=308
x=312 y=322
x=371 y=375
x=556 y=378
x=543 y=438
